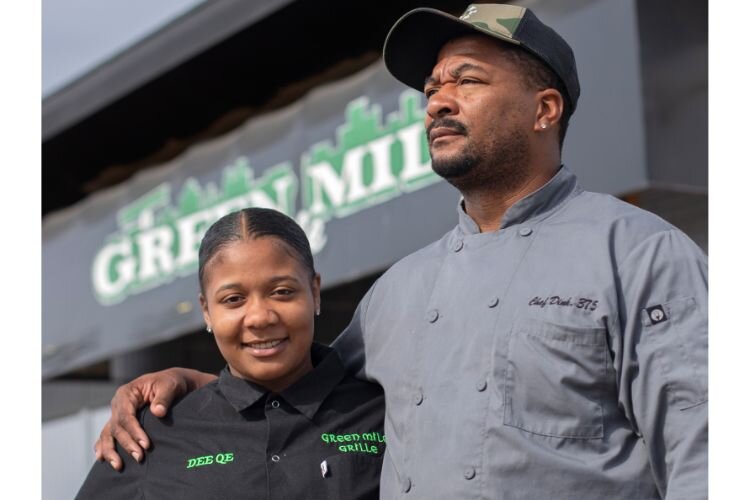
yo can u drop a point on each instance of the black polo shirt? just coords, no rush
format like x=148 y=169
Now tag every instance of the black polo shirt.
x=321 y=438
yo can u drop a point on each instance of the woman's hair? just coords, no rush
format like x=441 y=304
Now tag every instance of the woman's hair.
x=251 y=223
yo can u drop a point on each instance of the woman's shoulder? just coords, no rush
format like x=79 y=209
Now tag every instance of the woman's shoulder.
x=359 y=399
x=204 y=401
x=351 y=386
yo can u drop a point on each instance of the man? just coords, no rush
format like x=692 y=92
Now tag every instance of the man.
x=552 y=345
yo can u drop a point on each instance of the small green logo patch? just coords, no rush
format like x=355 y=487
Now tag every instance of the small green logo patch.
x=219 y=458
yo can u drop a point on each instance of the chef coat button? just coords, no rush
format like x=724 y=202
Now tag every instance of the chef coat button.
x=470 y=473
x=275 y=403
x=406 y=485
x=525 y=231
x=275 y=458
x=493 y=302
x=458 y=245
x=418 y=398
x=432 y=315
x=481 y=385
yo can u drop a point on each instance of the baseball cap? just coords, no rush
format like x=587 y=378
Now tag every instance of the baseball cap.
x=412 y=45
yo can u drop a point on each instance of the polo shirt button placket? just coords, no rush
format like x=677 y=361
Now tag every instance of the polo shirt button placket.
x=481 y=385
x=458 y=245
x=275 y=403
x=494 y=301
x=275 y=458
x=525 y=231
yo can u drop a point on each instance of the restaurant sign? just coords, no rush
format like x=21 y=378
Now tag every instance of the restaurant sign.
x=371 y=162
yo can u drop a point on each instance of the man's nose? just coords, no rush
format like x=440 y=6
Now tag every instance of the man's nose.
x=442 y=103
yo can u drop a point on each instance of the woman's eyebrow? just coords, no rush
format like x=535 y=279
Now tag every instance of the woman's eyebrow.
x=285 y=277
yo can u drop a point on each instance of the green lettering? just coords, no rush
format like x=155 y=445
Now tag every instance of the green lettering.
x=350 y=447
x=342 y=448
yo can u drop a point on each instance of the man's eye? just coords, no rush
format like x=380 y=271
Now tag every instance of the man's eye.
x=284 y=292
x=430 y=92
x=464 y=81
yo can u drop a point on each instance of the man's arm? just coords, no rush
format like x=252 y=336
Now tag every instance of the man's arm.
x=158 y=388
x=663 y=368
x=124 y=484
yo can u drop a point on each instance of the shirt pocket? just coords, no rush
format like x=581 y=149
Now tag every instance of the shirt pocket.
x=349 y=475
x=555 y=379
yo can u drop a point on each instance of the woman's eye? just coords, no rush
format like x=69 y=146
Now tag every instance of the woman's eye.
x=231 y=299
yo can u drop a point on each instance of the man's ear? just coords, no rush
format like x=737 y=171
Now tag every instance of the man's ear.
x=549 y=109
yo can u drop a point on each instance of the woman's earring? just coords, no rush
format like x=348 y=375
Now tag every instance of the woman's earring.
x=208 y=329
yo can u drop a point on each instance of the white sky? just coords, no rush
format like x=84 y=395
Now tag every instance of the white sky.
x=78 y=35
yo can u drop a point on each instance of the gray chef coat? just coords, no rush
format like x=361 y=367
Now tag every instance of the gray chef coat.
x=561 y=357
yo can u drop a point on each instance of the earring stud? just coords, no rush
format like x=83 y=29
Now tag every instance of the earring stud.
x=208 y=329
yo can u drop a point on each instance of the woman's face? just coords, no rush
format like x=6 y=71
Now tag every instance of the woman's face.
x=260 y=302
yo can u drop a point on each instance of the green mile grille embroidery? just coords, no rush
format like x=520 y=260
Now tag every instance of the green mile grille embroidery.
x=219 y=458
x=366 y=442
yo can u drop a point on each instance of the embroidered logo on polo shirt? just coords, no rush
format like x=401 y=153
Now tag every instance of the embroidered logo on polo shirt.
x=219 y=458
x=656 y=314
x=366 y=442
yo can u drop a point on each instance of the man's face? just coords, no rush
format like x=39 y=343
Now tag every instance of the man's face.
x=479 y=115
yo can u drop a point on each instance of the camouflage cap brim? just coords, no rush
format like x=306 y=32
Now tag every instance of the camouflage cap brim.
x=413 y=43
x=411 y=58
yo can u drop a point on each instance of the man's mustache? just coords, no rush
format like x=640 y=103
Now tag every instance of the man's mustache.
x=449 y=123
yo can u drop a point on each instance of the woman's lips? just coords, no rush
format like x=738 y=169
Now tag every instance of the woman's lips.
x=266 y=348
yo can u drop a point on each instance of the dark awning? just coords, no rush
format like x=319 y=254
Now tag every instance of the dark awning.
x=183 y=38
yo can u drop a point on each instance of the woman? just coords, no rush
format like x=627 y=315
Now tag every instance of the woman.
x=283 y=420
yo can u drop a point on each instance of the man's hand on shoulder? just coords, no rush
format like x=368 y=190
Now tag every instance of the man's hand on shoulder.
x=158 y=388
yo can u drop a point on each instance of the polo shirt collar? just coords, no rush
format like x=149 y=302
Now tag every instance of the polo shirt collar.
x=306 y=395
x=541 y=201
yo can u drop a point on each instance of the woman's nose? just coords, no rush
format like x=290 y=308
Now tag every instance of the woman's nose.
x=259 y=314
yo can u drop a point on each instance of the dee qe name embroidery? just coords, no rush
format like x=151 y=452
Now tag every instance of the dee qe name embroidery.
x=219 y=458
x=366 y=442
x=583 y=303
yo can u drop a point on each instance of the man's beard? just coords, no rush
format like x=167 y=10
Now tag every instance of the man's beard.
x=503 y=163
